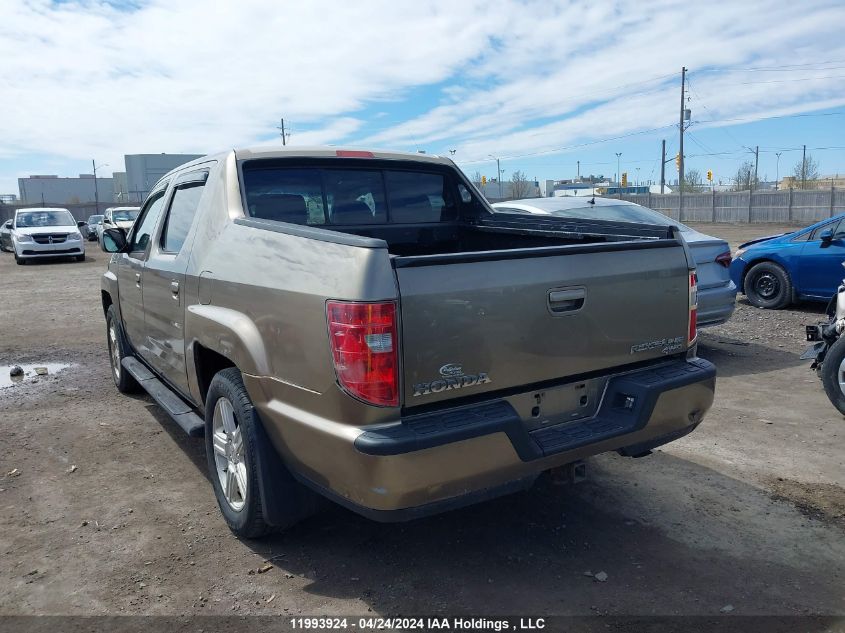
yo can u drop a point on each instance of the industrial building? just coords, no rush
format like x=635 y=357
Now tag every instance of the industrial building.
x=144 y=170
x=44 y=189
x=127 y=187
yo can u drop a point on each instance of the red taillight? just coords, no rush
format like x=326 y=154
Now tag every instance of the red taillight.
x=724 y=259
x=363 y=341
x=693 y=307
x=353 y=153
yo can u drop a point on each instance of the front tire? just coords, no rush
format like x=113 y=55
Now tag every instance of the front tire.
x=20 y=261
x=231 y=430
x=767 y=285
x=80 y=258
x=833 y=375
x=118 y=350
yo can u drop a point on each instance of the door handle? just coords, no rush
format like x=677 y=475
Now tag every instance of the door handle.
x=138 y=279
x=174 y=289
x=566 y=300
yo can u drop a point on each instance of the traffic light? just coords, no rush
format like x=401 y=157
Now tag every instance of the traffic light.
x=484 y=180
x=710 y=175
x=624 y=178
x=678 y=161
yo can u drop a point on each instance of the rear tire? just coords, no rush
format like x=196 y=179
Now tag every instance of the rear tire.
x=118 y=350
x=231 y=425
x=833 y=375
x=767 y=285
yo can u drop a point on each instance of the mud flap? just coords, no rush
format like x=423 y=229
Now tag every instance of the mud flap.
x=284 y=500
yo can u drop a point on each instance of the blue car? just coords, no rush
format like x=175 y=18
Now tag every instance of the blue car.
x=778 y=270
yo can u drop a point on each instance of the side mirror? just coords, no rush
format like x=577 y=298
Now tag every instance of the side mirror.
x=113 y=240
x=80 y=223
x=8 y=224
x=106 y=221
x=826 y=237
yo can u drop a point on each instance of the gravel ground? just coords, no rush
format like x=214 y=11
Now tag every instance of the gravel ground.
x=748 y=512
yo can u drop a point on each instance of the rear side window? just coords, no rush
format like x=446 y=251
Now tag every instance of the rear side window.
x=319 y=196
x=183 y=208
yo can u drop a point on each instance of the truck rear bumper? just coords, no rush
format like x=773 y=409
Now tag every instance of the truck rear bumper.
x=431 y=462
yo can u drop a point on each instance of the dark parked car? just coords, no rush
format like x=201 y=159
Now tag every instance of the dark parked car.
x=91 y=225
x=777 y=270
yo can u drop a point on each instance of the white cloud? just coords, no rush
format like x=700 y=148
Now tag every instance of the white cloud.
x=87 y=79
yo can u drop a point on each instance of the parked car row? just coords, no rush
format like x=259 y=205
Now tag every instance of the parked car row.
x=51 y=232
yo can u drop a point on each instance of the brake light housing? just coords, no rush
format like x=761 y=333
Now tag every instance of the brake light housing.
x=353 y=153
x=364 y=345
x=693 y=307
x=724 y=259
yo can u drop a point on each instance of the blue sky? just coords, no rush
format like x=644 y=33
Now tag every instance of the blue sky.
x=540 y=84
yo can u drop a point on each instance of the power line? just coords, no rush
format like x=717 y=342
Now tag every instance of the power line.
x=570 y=147
x=782 y=68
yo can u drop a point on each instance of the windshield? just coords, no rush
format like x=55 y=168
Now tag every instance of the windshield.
x=29 y=219
x=125 y=215
x=95 y=219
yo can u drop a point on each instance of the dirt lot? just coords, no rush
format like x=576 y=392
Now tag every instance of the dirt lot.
x=746 y=515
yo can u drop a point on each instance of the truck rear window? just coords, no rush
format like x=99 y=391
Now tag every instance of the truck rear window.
x=319 y=196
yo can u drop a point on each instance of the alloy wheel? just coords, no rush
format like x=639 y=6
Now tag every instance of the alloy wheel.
x=228 y=444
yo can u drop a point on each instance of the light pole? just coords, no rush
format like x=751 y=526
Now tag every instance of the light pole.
x=777 y=171
x=498 y=174
x=96 y=189
x=638 y=176
x=618 y=173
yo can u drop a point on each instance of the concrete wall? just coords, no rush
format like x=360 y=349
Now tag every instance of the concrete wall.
x=63 y=191
x=143 y=171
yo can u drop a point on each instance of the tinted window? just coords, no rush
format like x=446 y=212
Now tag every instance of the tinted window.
x=144 y=230
x=348 y=196
x=355 y=196
x=186 y=199
x=285 y=195
x=416 y=197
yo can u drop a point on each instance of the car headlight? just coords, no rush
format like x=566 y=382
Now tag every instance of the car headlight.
x=76 y=236
x=22 y=237
x=739 y=253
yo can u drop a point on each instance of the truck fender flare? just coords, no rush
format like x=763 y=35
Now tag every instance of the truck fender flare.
x=230 y=333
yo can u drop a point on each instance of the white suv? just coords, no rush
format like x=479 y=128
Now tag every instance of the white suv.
x=46 y=232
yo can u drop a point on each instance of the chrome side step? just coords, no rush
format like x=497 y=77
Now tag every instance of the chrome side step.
x=175 y=407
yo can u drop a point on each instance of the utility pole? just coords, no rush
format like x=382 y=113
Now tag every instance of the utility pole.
x=804 y=168
x=756 y=158
x=579 y=171
x=284 y=134
x=777 y=171
x=681 y=147
x=663 y=166
x=618 y=174
x=96 y=190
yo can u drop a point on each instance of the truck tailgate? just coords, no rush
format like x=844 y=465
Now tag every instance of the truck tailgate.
x=479 y=322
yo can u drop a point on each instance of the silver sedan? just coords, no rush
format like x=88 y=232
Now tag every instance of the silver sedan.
x=716 y=291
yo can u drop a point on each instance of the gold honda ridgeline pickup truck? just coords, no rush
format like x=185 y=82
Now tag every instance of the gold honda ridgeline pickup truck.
x=362 y=325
